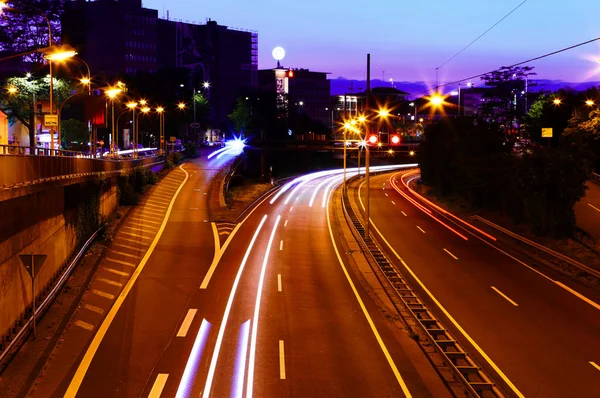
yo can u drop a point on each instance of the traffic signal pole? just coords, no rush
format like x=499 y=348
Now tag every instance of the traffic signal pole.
x=367 y=157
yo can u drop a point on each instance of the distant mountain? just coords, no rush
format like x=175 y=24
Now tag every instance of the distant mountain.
x=341 y=85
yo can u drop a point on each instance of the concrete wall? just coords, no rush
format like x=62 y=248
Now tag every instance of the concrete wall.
x=39 y=223
x=3 y=129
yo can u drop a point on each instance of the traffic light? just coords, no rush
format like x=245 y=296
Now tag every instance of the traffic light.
x=290 y=73
x=395 y=139
x=373 y=138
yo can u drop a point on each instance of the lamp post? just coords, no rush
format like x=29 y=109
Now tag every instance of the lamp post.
x=143 y=111
x=112 y=93
x=161 y=125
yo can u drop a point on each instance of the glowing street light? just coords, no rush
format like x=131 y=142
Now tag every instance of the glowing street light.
x=86 y=81
x=557 y=101
x=206 y=85
x=411 y=153
x=143 y=102
x=383 y=113
x=181 y=105
x=161 y=123
x=590 y=103
x=436 y=99
x=60 y=55
x=12 y=90
x=112 y=93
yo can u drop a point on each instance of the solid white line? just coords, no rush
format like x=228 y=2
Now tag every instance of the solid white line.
x=453 y=256
x=190 y=372
x=109 y=282
x=158 y=385
x=281 y=361
x=278 y=282
x=93 y=308
x=285 y=225
x=114 y=271
x=593 y=207
x=215 y=356
x=291 y=208
x=280 y=245
x=257 y=310
x=420 y=229
x=386 y=194
x=382 y=345
x=505 y=296
x=581 y=296
x=404 y=214
x=241 y=360
x=594 y=364
x=456 y=324
x=187 y=322
x=103 y=329
x=393 y=202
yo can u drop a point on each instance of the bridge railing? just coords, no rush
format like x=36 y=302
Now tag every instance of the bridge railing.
x=21 y=169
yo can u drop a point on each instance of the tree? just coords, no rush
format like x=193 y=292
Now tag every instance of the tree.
x=24 y=28
x=73 y=130
x=242 y=117
x=504 y=100
x=17 y=101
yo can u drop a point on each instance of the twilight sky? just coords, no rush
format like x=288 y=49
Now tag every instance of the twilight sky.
x=409 y=39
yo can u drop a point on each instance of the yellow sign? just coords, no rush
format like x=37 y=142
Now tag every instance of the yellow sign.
x=51 y=120
x=546 y=132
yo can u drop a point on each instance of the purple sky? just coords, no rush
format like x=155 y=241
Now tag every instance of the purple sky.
x=408 y=40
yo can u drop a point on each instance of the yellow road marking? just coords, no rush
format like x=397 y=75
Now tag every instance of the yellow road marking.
x=93 y=347
x=84 y=325
x=187 y=322
x=594 y=364
x=382 y=345
x=456 y=324
x=114 y=271
x=93 y=308
x=593 y=207
x=420 y=229
x=112 y=260
x=103 y=294
x=278 y=282
x=281 y=361
x=158 y=385
x=122 y=253
x=109 y=282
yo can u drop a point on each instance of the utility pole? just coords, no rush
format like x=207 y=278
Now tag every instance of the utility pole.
x=367 y=150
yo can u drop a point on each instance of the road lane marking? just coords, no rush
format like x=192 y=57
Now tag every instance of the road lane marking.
x=134 y=235
x=216 y=238
x=581 y=296
x=393 y=202
x=456 y=324
x=103 y=294
x=152 y=205
x=102 y=330
x=109 y=282
x=505 y=296
x=93 y=308
x=382 y=345
x=84 y=325
x=278 y=282
x=187 y=322
x=593 y=207
x=386 y=194
x=112 y=260
x=420 y=229
x=116 y=272
x=120 y=253
x=285 y=225
x=184 y=390
x=259 y=290
x=453 y=256
x=215 y=356
x=140 y=228
x=132 y=241
x=281 y=361
x=136 y=220
x=291 y=208
x=403 y=213
x=218 y=254
x=158 y=385
x=132 y=248
x=594 y=364
x=280 y=245
x=240 y=360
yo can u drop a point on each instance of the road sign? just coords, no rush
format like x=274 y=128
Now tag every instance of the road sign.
x=195 y=125
x=38 y=261
x=547 y=132
x=51 y=120
x=173 y=139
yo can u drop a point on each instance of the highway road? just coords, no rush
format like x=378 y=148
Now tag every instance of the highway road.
x=267 y=307
x=587 y=210
x=536 y=332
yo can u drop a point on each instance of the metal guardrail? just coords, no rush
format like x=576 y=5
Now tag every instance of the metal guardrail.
x=35 y=151
x=468 y=372
x=21 y=170
x=540 y=247
x=48 y=299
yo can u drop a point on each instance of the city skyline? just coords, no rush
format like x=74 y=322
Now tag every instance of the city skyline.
x=334 y=39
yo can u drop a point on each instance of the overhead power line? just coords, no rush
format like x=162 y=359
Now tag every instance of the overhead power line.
x=481 y=35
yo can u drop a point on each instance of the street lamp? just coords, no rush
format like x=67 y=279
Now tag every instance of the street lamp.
x=590 y=103
x=557 y=101
x=112 y=93
x=143 y=111
x=161 y=121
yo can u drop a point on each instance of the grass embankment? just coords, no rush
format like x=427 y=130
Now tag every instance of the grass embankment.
x=239 y=198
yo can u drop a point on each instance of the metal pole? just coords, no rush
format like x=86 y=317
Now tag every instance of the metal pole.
x=344 y=159
x=51 y=107
x=33 y=296
x=367 y=160
x=458 y=113
x=359 y=160
x=134 y=134
x=112 y=144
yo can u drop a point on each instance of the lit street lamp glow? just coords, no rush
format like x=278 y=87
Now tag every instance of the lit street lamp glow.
x=590 y=103
x=85 y=80
x=436 y=99
x=12 y=90
x=557 y=101
x=59 y=56
x=160 y=109
x=131 y=105
x=181 y=105
x=143 y=102
x=206 y=85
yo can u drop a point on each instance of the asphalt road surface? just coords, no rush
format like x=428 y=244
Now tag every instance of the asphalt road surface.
x=538 y=328
x=587 y=210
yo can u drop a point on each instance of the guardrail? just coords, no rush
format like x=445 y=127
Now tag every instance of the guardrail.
x=29 y=151
x=466 y=370
x=43 y=306
x=596 y=177
x=24 y=170
x=540 y=247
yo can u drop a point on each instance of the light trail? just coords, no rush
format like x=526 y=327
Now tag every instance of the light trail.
x=191 y=368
